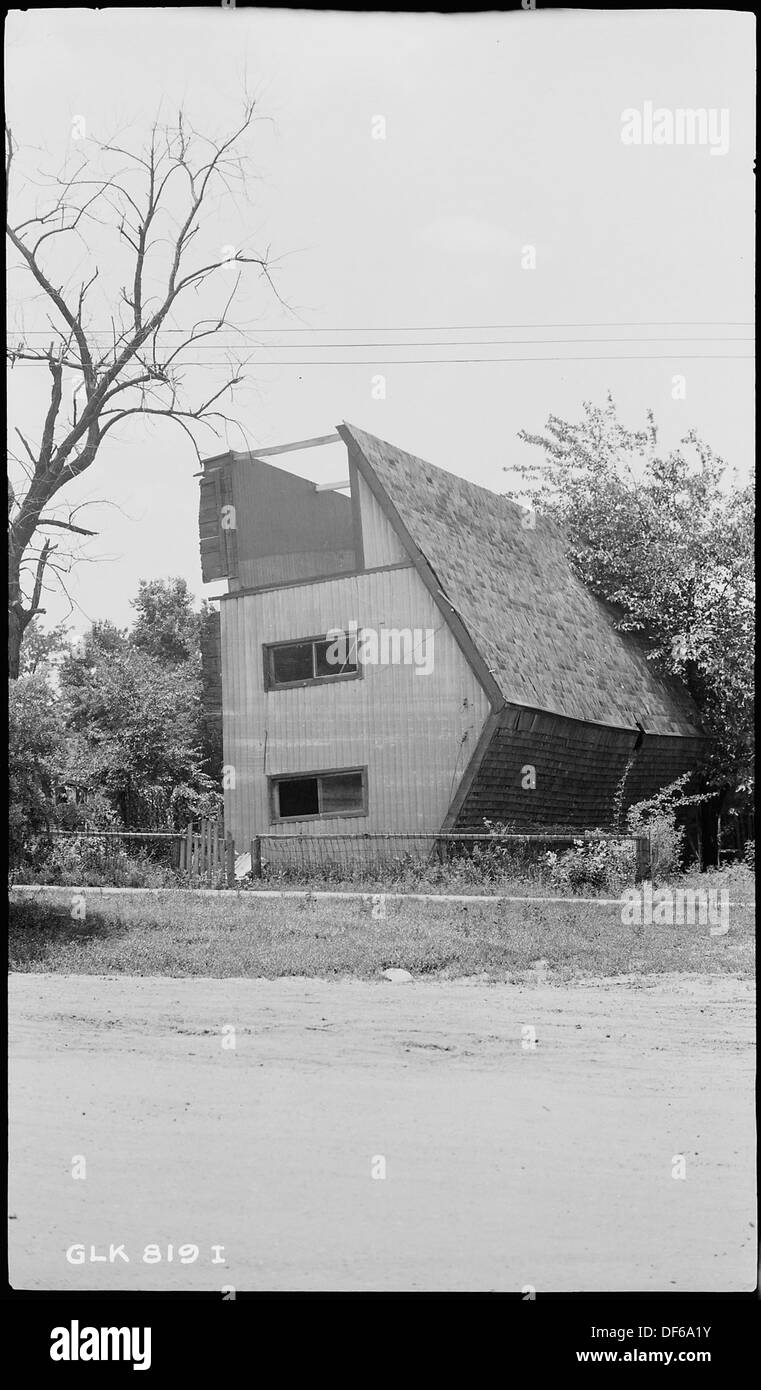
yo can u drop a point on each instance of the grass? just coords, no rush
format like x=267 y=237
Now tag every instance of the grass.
x=173 y=935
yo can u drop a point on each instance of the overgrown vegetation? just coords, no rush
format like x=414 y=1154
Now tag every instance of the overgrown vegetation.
x=658 y=819
x=35 y=757
x=668 y=538
x=592 y=865
x=82 y=861
x=167 y=934
x=110 y=731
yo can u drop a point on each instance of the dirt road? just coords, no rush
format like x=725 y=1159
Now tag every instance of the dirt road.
x=506 y=1164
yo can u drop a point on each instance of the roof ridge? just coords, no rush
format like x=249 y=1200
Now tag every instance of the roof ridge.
x=443 y=472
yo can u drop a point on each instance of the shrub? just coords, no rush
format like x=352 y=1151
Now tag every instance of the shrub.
x=656 y=818
x=592 y=864
x=90 y=862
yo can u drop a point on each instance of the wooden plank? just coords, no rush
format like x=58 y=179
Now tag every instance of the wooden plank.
x=332 y=487
x=246 y=454
x=228 y=535
x=314 y=579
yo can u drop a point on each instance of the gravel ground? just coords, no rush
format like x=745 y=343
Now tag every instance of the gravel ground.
x=506 y=1164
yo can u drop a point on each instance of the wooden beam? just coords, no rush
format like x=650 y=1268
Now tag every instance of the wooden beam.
x=332 y=487
x=287 y=448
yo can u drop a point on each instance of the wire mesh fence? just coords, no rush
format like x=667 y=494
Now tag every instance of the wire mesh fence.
x=413 y=858
x=201 y=855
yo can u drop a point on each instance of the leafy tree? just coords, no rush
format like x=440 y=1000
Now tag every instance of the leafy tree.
x=134 y=731
x=35 y=761
x=668 y=539
x=166 y=626
x=43 y=649
x=137 y=738
x=80 y=664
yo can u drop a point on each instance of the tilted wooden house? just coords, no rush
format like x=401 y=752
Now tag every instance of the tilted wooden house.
x=531 y=707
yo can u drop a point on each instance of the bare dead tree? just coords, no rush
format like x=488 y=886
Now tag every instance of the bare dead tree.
x=153 y=202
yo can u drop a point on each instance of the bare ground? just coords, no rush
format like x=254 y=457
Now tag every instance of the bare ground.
x=505 y=1165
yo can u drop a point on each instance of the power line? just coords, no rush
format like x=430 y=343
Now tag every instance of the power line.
x=486 y=361
x=468 y=328
x=479 y=342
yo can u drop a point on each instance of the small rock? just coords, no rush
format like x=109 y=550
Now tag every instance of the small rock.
x=398 y=977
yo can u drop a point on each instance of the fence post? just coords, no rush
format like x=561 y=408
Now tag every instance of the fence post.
x=189 y=850
x=230 y=858
x=256 y=857
x=643 y=869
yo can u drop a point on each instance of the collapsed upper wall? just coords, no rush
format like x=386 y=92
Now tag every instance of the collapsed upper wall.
x=260 y=525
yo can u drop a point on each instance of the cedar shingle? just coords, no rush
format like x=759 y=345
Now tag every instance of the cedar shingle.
x=549 y=642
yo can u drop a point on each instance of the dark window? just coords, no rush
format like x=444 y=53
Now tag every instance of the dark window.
x=298 y=797
x=292 y=663
x=320 y=794
x=328 y=657
x=314 y=659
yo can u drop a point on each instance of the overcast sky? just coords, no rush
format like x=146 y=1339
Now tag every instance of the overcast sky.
x=501 y=132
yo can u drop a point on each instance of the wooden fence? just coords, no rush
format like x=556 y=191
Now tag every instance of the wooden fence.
x=206 y=855
x=201 y=852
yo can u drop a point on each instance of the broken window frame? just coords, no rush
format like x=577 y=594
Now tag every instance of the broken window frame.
x=318 y=774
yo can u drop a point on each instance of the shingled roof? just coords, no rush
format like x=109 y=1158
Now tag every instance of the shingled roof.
x=548 y=642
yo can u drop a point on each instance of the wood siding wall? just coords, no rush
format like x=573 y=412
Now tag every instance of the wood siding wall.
x=283 y=569
x=380 y=543
x=414 y=733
